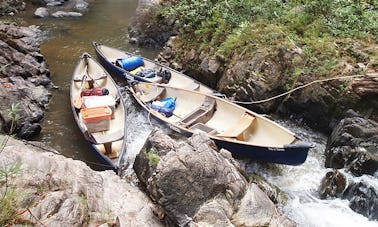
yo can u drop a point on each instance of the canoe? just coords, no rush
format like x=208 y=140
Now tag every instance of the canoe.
x=143 y=69
x=244 y=133
x=99 y=111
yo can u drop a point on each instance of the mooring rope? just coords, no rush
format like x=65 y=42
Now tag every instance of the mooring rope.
x=295 y=89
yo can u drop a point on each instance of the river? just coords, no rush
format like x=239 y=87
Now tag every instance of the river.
x=107 y=21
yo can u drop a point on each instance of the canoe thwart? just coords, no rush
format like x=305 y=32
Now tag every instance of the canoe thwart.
x=200 y=115
x=107 y=137
x=236 y=130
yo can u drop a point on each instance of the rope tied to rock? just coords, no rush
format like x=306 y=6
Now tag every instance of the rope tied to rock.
x=297 y=88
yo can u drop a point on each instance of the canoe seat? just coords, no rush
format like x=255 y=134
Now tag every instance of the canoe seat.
x=107 y=139
x=203 y=128
x=200 y=115
x=236 y=130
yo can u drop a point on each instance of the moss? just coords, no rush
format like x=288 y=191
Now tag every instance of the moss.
x=152 y=156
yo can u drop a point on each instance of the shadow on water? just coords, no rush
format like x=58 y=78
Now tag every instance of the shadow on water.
x=67 y=38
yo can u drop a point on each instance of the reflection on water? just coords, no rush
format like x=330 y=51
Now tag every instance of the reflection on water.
x=67 y=38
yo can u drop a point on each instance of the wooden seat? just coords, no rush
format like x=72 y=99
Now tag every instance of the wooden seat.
x=236 y=130
x=107 y=140
x=200 y=115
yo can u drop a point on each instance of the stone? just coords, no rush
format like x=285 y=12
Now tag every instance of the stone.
x=59 y=191
x=41 y=12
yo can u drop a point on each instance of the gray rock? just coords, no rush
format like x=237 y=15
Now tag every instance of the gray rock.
x=24 y=80
x=59 y=191
x=353 y=144
x=81 y=5
x=41 y=12
x=59 y=14
x=197 y=185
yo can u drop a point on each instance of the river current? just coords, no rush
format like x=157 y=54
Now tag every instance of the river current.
x=107 y=21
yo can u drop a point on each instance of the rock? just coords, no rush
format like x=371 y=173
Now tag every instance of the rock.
x=24 y=80
x=11 y=7
x=363 y=199
x=66 y=14
x=353 y=145
x=81 y=5
x=256 y=209
x=333 y=184
x=59 y=191
x=366 y=86
x=196 y=184
x=41 y=12
x=145 y=29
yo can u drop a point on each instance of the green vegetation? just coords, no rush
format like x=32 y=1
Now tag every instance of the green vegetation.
x=83 y=202
x=324 y=30
x=15 y=117
x=152 y=156
x=9 y=199
x=9 y=6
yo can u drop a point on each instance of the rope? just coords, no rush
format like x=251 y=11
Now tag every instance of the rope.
x=67 y=156
x=297 y=88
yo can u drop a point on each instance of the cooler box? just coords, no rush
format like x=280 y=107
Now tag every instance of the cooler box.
x=96 y=118
x=97 y=101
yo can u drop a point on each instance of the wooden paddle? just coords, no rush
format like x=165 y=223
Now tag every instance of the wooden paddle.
x=77 y=101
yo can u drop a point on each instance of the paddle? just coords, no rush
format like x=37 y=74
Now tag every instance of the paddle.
x=76 y=101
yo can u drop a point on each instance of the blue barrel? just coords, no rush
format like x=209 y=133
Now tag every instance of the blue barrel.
x=130 y=63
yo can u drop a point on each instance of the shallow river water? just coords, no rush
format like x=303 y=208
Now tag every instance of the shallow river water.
x=106 y=21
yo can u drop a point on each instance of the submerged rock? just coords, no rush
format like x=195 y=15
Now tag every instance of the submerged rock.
x=196 y=184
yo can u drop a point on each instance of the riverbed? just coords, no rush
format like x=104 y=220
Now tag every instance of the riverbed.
x=107 y=22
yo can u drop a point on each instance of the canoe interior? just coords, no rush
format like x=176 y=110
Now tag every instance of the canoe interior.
x=101 y=79
x=228 y=121
x=177 y=79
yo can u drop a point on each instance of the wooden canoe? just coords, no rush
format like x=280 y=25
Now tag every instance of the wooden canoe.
x=108 y=57
x=237 y=129
x=100 y=118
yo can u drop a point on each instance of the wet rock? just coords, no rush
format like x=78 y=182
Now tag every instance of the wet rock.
x=196 y=184
x=353 y=144
x=24 y=80
x=363 y=199
x=41 y=12
x=66 y=14
x=58 y=191
x=81 y=5
x=333 y=184
x=54 y=2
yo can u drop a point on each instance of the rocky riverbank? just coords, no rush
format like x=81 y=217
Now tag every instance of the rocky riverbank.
x=186 y=188
x=325 y=106
x=42 y=188
x=24 y=80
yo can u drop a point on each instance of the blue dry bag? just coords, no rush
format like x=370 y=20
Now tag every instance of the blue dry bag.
x=130 y=63
x=164 y=106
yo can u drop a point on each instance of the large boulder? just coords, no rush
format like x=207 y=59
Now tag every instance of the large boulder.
x=353 y=145
x=197 y=184
x=51 y=190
